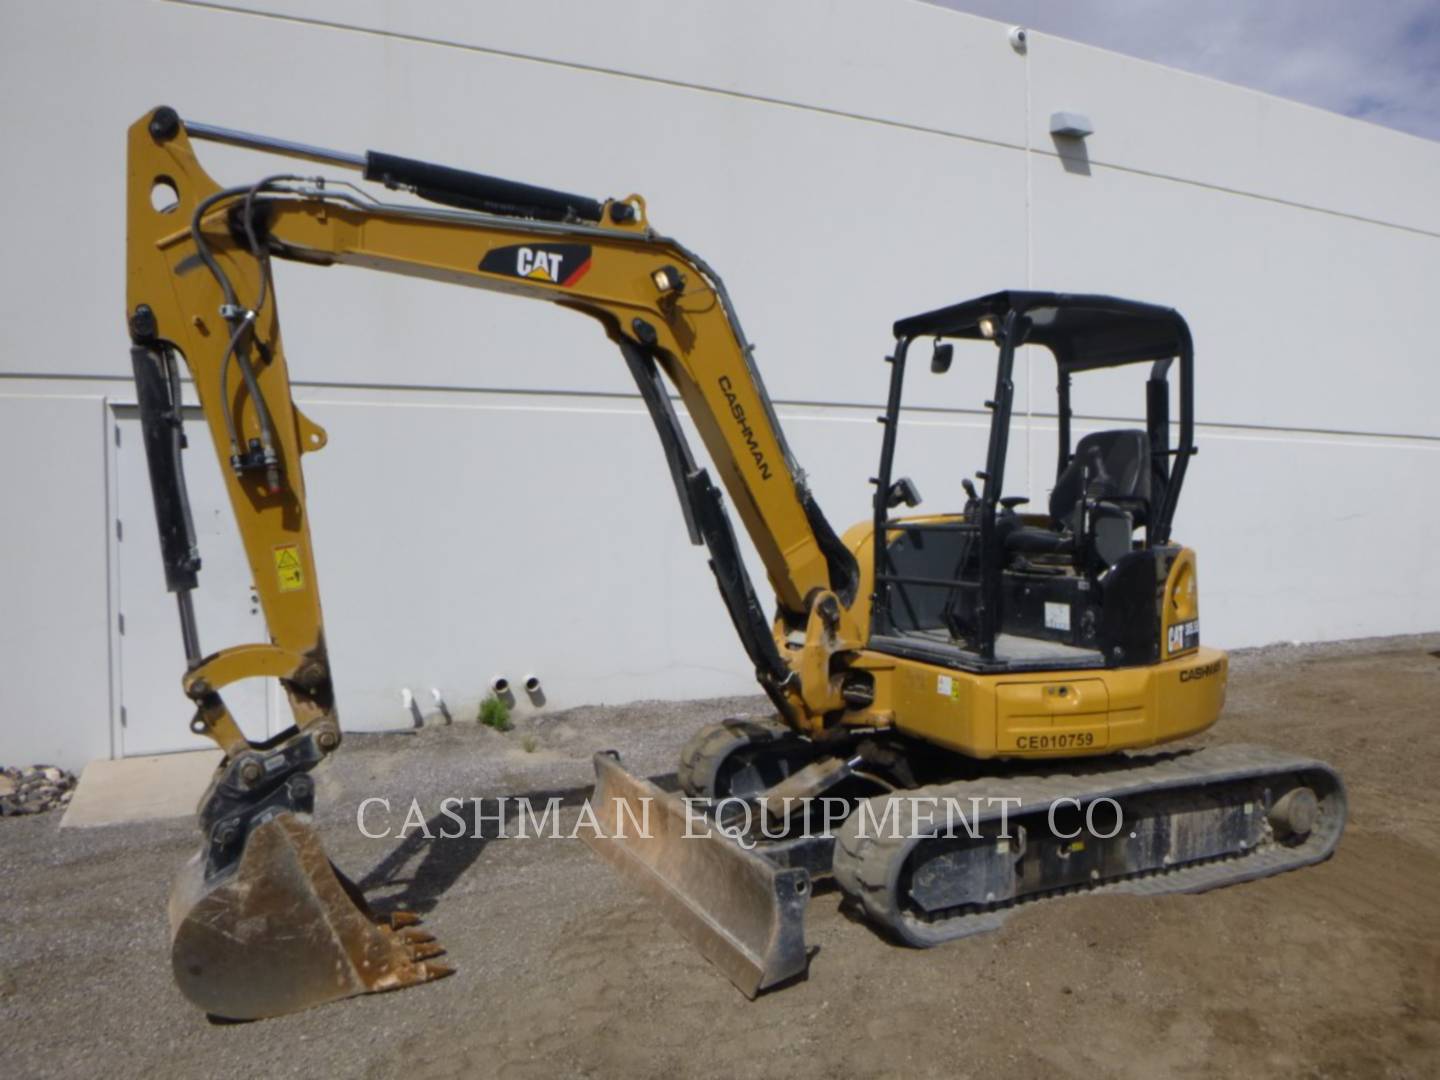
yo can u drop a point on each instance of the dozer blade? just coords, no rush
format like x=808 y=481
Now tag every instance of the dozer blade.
x=284 y=930
x=744 y=914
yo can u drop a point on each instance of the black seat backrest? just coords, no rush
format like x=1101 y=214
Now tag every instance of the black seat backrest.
x=1118 y=467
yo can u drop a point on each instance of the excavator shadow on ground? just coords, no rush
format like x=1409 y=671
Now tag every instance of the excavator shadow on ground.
x=429 y=860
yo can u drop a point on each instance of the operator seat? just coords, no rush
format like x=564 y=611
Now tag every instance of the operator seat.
x=1113 y=469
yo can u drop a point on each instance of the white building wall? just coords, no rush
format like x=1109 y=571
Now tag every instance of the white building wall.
x=492 y=499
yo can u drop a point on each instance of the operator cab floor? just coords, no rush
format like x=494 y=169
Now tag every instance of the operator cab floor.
x=1012 y=652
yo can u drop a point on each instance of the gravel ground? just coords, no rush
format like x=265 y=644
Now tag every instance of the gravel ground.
x=1329 y=972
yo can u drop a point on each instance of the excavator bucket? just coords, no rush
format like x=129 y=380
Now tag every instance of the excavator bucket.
x=744 y=914
x=284 y=930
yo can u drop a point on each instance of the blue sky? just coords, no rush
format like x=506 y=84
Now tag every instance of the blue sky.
x=1378 y=60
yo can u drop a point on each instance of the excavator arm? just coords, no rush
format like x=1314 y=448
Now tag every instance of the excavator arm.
x=199 y=291
x=200 y=294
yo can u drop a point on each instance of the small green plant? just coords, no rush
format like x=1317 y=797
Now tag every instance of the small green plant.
x=529 y=744
x=495 y=714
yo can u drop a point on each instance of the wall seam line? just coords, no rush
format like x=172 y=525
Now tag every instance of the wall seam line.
x=799 y=403
x=421 y=39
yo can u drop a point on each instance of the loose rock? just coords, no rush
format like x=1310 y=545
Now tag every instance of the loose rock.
x=34 y=790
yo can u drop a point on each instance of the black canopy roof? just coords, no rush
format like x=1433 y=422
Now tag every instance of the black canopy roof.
x=1082 y=330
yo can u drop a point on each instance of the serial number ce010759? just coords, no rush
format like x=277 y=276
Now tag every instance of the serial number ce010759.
x=1060 y=740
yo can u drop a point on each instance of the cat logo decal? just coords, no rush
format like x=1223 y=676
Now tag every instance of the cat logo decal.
x=553 y=264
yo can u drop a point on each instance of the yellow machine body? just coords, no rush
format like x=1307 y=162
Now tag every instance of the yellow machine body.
x=1049 y=714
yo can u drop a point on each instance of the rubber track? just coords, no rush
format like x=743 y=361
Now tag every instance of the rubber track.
x=866 y=868
x=704 y=752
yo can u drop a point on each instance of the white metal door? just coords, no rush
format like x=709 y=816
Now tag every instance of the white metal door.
x=155 y=714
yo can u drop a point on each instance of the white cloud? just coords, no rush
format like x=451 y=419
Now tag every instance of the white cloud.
x=1376 y=61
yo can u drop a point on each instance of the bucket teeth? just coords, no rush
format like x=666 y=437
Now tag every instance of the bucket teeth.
x=425 y=951
x=412 y=946
x=397 y=919
x=413 y=973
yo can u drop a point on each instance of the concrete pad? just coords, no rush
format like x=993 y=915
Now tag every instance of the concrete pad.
x=140 y=789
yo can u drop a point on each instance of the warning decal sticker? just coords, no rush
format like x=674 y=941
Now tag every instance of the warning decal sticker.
x=288 y=572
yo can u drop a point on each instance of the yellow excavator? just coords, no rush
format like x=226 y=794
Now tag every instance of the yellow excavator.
x=993 y=658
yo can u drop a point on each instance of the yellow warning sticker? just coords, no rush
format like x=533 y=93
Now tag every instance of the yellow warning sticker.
x=287 y=568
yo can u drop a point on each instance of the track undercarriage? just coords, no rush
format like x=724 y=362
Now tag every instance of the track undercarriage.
x=930 y=857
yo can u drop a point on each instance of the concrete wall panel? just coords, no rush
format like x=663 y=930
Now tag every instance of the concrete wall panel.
x=55 y=619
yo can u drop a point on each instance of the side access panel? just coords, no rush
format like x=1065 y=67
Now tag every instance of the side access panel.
x=1084 y=712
